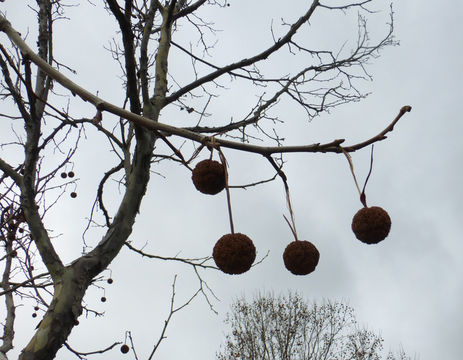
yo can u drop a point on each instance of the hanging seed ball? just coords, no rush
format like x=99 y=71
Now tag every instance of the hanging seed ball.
x=301 y=257
x=71 y=174
x=371 y=224
x=110 y=281
x=73 y=194
x=103 y=299
x=34 y=315
x=125 y=349
x=64 y=175
x=209 y=177
x=234 y=253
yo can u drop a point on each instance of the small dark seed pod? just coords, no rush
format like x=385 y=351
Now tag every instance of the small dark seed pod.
x=125 y=349
x=371 y=224
x=301 y=257
x=209 y=177
x=73 y=195
x=234 y=253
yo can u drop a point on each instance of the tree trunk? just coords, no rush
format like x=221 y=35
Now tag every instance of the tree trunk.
x=60 y=318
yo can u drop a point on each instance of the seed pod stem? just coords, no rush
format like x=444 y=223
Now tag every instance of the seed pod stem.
x=227 y=189
x=292 y=224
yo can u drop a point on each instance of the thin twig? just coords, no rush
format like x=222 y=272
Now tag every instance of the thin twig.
x=82 y=355
x=172 y=311
x=196 y=262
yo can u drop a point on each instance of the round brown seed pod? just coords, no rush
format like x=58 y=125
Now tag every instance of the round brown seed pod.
x=234 y=253
x=209 y=177
x=125 y=349
x=301 y=257
x=371 y=224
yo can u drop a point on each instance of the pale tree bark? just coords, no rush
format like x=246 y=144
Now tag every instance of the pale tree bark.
x=71 y=282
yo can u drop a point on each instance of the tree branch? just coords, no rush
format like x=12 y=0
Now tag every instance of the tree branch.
x=246 y=62
x=8 y=326
x=381 y=135
x=332 y=147
x=198 y=262
x=129 y=52
x=8 y=170
x=144 y=50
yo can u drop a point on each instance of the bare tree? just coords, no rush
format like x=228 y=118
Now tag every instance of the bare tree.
x=290 y=328
x=37 y=170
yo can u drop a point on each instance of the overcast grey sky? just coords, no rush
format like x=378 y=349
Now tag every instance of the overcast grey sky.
x=408 y=287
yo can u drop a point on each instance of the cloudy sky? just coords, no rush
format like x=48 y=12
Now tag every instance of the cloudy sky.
x=408 y=288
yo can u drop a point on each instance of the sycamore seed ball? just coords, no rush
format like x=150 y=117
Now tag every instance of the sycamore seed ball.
x=209 y=177
x=234 y=253
x=371 y=224
x=125 y=349
x=301 y=257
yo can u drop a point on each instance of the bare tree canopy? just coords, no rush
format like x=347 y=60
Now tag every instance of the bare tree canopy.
x=290 y=328
x=43 y=127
